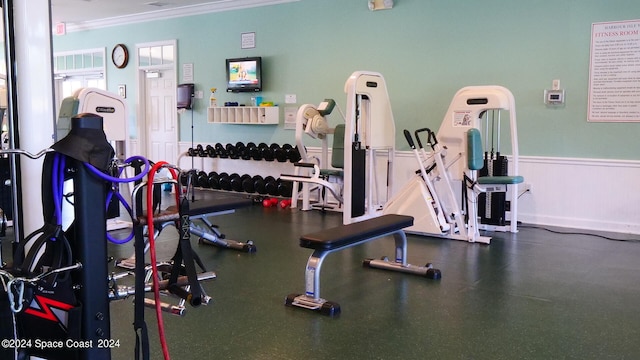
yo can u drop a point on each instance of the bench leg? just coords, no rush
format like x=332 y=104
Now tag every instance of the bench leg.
x=400 y=264
x=311 y=298
x=214 y=237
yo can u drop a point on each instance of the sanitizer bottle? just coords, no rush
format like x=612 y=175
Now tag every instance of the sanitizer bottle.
x=213 y=102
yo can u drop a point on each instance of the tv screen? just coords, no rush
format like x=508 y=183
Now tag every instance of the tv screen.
x=185 y=94
x=244 y=74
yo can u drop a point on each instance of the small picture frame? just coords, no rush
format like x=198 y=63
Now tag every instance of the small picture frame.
x=122 y=91
x=248 y=40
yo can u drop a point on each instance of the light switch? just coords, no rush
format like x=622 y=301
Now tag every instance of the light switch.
x=290 y=99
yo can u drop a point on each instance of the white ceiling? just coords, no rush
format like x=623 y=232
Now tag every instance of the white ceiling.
x=83 y=12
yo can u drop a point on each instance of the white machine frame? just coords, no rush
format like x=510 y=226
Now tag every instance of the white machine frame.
x=432 y=196
x=310 y=121
x=369 y=131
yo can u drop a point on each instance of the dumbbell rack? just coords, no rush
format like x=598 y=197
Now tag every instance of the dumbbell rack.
x=244 y=164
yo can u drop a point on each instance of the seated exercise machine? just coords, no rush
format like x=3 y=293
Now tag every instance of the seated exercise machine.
x=318 y=177
x=456 y=175
x=369 y=131
x=345 y=236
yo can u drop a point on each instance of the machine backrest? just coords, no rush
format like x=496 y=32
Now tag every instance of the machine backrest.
x=337 y=150
x=475 y=160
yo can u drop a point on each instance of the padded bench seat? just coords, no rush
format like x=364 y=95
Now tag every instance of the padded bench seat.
x=206 y=202
x=340 y=236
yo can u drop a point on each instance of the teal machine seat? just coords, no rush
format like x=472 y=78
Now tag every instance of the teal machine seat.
x=476 y=162
x=337 y=153
x=502 y=180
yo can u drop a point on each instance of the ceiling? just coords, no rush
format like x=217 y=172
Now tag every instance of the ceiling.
x=95 y=11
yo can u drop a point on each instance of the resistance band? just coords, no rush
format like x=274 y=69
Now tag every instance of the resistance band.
x=152 y=252
x=115 y=181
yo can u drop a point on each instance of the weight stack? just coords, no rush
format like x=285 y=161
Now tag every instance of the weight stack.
x=492 y=207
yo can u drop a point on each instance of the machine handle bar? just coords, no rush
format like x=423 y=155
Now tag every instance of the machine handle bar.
x=431 y=137
x=407 y=136
x=26 y=153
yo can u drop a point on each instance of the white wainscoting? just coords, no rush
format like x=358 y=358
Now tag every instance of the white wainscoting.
x=590 y=194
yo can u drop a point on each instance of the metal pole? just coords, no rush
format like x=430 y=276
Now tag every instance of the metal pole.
x=90 y=247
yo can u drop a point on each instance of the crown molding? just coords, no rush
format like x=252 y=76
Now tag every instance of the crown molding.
x=220 y=6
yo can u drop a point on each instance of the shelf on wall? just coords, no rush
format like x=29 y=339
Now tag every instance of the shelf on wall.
x=246 y=115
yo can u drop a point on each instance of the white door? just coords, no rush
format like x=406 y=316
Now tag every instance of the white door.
x=161 y=117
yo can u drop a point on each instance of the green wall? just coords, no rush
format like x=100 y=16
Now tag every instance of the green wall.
x=426 y=50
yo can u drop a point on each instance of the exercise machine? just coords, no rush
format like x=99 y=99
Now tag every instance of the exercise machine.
x=311 y=121
x=368 y=148
x=113 y=109
x=455 y=169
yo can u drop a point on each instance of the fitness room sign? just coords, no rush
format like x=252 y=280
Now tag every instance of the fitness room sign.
x=614 y=72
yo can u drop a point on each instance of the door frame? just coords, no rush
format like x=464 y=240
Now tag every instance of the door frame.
x=141 y=148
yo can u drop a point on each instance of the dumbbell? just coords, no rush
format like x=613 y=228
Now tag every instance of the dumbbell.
x=221 y=151
x=236 y=182
x=225 y=181
x=214 y=180
x=271 y=185
x=281 y=154
x=255 y=152
x=200 y=150
x=248 y=184
x=211 y=151
x=233 y=181
x=241 y=150
x=262 y=152
x=285 y=203
x=184 y=177
x=202 y=180
x=294 y=155
x=269 y=202
x=246 y=154
x=259 y=185
x=273 y=148
x=285 y=188
x=231 y=151
x=195 y=151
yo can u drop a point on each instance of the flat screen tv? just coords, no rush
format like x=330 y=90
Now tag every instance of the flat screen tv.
x=244 y=74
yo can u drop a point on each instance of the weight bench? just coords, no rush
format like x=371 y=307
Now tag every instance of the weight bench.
x=210 y=203
x=204 y=204
x=344 y=236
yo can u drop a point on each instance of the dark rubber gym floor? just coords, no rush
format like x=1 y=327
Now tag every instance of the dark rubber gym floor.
x=531 y=295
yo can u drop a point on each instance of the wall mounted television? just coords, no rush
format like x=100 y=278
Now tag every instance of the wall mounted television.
x=185 y=96
x=244 y=74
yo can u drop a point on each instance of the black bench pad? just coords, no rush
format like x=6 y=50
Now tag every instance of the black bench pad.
x=344 y=235
x=207 y=202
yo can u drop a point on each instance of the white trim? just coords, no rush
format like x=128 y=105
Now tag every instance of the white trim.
x=141 y=124
x=580 y=161
x=220 y=6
